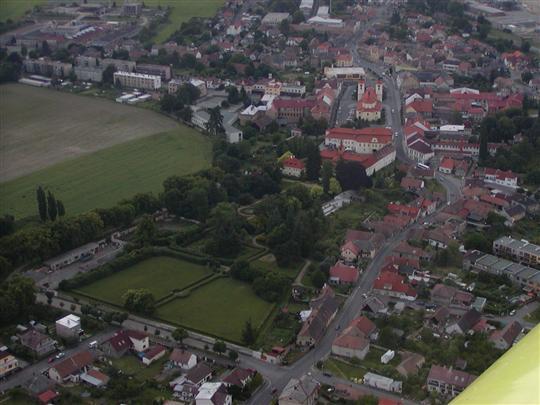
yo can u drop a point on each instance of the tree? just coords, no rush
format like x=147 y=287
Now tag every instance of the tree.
x=248 y=333
x=42 y=203
x=526 y=77
x=351 y=175
x=61 y=208
x=7 y=225
x=326 y=173
x=214 y=126
x=146 y=230
x=139 y=300
x=51 y=206
x=233 y=355
x=219 y=347
x=318 y=278
x=108 y=75
x=313 y=163
x=335 y=188
x=179 y=334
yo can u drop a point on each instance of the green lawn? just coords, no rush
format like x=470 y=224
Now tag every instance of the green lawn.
x=182 y=11
x=103 y=178
x=160 y=275
x=220 y=308
x=341 y=369
x=15 y=9
x=131 y=365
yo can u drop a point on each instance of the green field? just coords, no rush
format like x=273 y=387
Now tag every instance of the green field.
x=103 y=178
x=14 y=9
x=265 y=265
x=220 y=308
x=160 y=275
x=182 y=11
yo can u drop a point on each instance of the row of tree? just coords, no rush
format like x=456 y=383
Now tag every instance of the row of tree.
x=48 y=206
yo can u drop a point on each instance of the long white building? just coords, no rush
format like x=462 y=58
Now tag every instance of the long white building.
x=138 y=80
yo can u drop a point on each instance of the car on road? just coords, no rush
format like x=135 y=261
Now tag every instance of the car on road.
x=512 y=312
x=60 y=355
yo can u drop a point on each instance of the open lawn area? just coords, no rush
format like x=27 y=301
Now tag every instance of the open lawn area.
x=340 y=369
x=268 y=263
x=41 y=127
x=220 y=308
x=131 y=365
x=182 y=11
x=160 y=275
x=103 y=178
x=15 y=9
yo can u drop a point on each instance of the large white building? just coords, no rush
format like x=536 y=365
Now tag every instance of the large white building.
x=382 y=383
x=213 y=393
x=363 y=141
x=138 y=80
x=346 y=73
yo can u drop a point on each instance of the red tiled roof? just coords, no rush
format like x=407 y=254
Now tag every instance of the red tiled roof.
x=447 y=163
x=450 y=376
x=47 y=396
x=74 y=363
x=294 y=163
x=153 y=351
x=390 y=281
x=344 y=273
x=365 y=325
x=364 y=135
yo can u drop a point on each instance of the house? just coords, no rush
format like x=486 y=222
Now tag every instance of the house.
x=392 y=284
x=199 y=374
x=213 y=393
x=302 y=391
x=351 y=343
x=467 y=321
x=442 y=294
x=71 y=369
x=341 y=274
x=446 y=166
x=152 y=354
x=504 y=338
x=412 y=184
x=293 y=167
x=239 y=377
x=95 y=378
x=69 y=327
x=514 y=214
x=39 y=343
x=448 y=381
x=123 y=341
x=48 y=397
x=382 y=383
x=183 y=359
x=374 y=307
x=323 y=311
x=186 y=387
x=519 y=250
x=410 y=364
x=8 y=363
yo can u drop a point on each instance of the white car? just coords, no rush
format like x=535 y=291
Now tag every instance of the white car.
x=60 y=355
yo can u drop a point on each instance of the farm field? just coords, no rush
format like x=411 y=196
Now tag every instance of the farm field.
x=159 y=275
x=14 y=9
x=182 y=11
x=220 y=308
x=41 y=127
x=105 y=177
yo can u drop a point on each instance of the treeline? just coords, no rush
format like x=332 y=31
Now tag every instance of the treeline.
x=293 y=224
x=178 y=103
x=48 y=206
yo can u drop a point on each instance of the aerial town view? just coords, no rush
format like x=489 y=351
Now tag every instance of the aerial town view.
x=286 y=202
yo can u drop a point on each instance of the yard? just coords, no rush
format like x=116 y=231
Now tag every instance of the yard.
x=182 y=11
x=15 y=9
x=220 y=308
x=131 y=365
x=341 y=369
x=268 y=263
x=160 y=275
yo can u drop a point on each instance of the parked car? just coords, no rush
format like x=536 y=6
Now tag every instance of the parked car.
x=60 y=355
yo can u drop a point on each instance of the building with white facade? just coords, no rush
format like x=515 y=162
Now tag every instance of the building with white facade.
x=213 y=393
x=69 y=327
x=365 y=140
x=345 y=73
x=138 y=80
x=382 y=383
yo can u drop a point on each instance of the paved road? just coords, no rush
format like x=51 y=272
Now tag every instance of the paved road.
x=347 y=105
x=27 y=373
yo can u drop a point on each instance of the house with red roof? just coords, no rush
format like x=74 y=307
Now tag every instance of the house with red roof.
x=501 y=177
x=121 y=342
x=183 y=359
x=70 y=369
x=448 y=381
x=361 y=141
x=423 y=108
x=293 y=167
x=239 y=377
x=344 y=60
x=48 y=397
x=341 y=274
x=154 y=353
x=393 y=284
x=353 y=342
x=447 y=165
x=402 y=209
x=504 y=339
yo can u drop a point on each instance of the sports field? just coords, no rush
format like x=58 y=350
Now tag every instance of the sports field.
x=159 y=275
x=183 y=10
x=221 y=308
x=41 y=127
x=102 y=178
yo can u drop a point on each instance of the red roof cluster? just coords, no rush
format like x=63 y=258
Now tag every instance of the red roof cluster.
x=364 y=135
x=294 y=163
x=345 y=274
x=391 y=281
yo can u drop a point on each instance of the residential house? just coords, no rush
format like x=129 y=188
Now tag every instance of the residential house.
x=95 y=378
x=412 y=184
x=374 y=307
x=382 y=383
x=153 y=354
x=69 y=327
x=341 y=274
x=8 y=363
x=353 y=342
x=302 y=391
x=467 y=321
x=187 y=386
x=183 y=359
x=519 y=250
x=448 y=381
x=70 y=369
x=323 y=311
x=293 y=167
x=410 y=364
x=123 y=341
x=393 y=284
x=213 y=393
x=442 y=294
x=239 y=377
x=503 y=339
x=39 y=343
